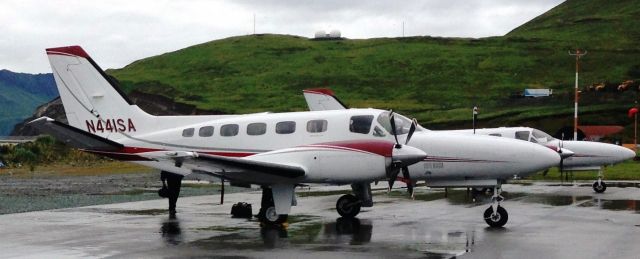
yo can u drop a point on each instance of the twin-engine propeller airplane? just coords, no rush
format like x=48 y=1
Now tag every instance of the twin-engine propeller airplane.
x=277 y=151
x=575 y=155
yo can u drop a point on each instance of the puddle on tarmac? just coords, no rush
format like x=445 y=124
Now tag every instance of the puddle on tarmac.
x=454 y=196
x=609 y=184
x=614 y=205
x=340 y=235
x=554 y=200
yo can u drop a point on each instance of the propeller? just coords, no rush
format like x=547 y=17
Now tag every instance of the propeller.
x=398 y=167
x=561 y=156
x=393 y=128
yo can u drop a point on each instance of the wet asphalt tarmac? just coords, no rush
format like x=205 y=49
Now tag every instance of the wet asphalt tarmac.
x=545 y=221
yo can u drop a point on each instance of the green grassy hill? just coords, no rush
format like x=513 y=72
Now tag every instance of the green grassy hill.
x=437 y=80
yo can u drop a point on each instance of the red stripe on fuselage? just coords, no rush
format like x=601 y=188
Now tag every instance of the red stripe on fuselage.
x=379 y=147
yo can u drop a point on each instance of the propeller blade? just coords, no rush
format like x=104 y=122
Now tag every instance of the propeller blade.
x=411 y=130
x=406 y=175
x=392 y=120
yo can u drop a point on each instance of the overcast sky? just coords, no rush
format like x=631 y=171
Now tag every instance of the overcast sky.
x=116 y=33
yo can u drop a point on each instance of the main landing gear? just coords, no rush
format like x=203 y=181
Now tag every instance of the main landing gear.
x=599 y=185
x=170 y=189
x=496 y=216
x=267 y=213
x=349 y=205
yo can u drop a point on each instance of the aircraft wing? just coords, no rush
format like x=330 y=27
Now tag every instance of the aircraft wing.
x=74 y=137
x=220 y=165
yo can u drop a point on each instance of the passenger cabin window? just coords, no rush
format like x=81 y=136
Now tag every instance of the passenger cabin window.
x=206 y=131
x=285 y=127
x=360 y=124
x=229 y=130
x=316 y=126
x=255 y=129
x=522 y=135
x=188 y=132
x=495 y=134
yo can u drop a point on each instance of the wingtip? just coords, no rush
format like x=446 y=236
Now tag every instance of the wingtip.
x=40 y=120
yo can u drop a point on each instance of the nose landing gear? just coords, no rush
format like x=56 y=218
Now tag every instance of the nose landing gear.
x=599 y=186
x=496 y=216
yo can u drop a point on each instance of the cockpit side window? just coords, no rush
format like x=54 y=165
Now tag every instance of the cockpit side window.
x=541 y=136
x=522 y=135
x=403 y=124
x=360 y=124
x=378 y=132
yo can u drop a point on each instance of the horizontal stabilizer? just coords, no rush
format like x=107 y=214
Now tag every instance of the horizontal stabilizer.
x=74 y=137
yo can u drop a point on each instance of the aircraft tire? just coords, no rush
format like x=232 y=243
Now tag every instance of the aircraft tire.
x=269 y=216
x=348 y=206
x=499 y=220
x=599 y=188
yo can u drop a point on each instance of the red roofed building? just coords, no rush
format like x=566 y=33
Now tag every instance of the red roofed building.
x=595 y=133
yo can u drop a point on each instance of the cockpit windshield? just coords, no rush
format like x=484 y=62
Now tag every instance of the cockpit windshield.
x=539 y=136
x=403 y=124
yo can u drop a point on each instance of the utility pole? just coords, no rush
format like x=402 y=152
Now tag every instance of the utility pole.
x=475 y=116
x=578 y=54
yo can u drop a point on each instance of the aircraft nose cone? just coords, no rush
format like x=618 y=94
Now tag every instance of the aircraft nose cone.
x=626 y=153
x=545 y=158
x=408 y=155
x=566 y=153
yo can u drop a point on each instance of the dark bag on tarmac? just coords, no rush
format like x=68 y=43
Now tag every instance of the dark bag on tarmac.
x=241 y=210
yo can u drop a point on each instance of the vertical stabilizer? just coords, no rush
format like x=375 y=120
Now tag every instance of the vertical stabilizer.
x=322 y=99
x=92 y=100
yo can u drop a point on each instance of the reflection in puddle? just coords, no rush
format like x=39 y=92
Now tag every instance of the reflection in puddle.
x=171 y=232
x=352 y=231
x=329 y=236
x=615 y=205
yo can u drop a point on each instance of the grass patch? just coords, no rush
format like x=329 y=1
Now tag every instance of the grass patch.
x=628 y=170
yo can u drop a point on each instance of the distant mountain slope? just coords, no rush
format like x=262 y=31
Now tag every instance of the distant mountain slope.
x=588 y=23
x=20 y=94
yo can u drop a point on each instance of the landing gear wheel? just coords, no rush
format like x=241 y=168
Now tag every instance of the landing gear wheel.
x=348 y=206
x=269 y=216
x=599 y=188
x=496 y=220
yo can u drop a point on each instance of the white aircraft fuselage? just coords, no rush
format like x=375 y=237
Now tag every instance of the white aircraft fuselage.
x=587 y=154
